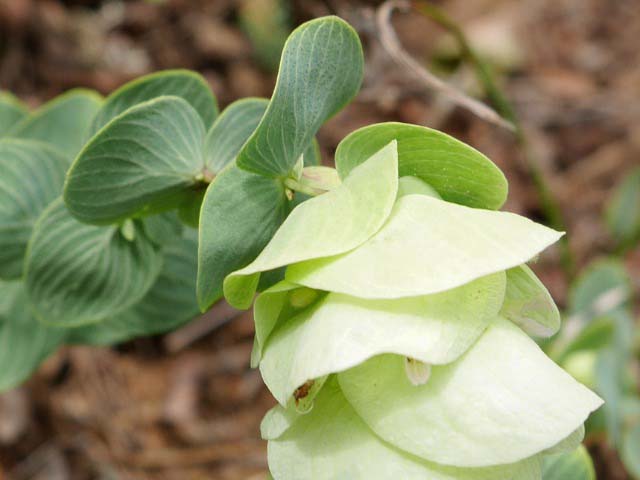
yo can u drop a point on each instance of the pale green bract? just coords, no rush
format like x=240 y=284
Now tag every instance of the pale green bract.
x=528 y=303
x=77 y=274
x=340 y=332
x=504 y=401
x=332 y=442
x=12 y=111
x=145 y=157
x=330 y=224
x=416 y=320
x=427 y=246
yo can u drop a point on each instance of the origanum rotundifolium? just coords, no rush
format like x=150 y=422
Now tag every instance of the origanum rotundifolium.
x=397 y=345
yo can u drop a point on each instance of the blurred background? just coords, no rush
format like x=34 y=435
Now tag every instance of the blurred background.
x=563 y=80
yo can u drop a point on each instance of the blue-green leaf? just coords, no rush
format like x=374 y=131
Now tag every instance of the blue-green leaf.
x=231 y=130
x=320 y=72
x=62 y=122
x=77 y=273
x=170 y=303
x=240 y=213
x=147 y=159
x=190 y=86
x=32 y=177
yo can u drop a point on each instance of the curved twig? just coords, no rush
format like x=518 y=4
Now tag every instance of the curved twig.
x=391 y=44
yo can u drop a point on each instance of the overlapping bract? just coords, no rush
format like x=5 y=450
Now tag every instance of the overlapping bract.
x=408 y=280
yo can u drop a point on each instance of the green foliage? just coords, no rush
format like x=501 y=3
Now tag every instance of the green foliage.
x=77 y=273
x=328 y=225
x=240 y=213
x=630 y=449
x=62 y=122
x=145 y=159
x=231 y=130
x=459 y=173
x=169 y=303
x=320 y=72
x=32 y=177
x=189 y=86
x=597 y=347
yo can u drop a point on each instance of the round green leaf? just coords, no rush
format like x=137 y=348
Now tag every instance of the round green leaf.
x=502 y=402
x=528 y=303
x=327 y=225
x=77 y=273
x=341 y=332
x=240 y=213
x=458 y=172
x=62 y=122
x=170 y=303
x=188 y=85
x=148 y=158
x=24 y=342
x=32 y=177
x=320 y=72
x=427 y=246
x=231 y=130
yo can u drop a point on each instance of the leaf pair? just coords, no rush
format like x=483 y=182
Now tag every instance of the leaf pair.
x=320 y=72
x=78 y=273
x=147 y=149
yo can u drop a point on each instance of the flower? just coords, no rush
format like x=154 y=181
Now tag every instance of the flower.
x=397 y=343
